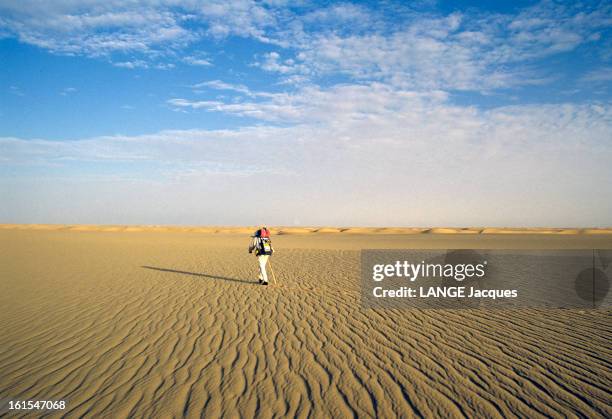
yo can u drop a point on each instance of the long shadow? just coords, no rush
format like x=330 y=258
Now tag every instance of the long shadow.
x=222 y=278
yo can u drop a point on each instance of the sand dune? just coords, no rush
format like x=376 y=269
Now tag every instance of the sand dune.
x=313 y=230
x=597 y=231
x=543 y=231
x=170 y=322
x=455 y=230
x=292 y=230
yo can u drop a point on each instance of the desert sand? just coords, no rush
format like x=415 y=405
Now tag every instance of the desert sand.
x=164 y=322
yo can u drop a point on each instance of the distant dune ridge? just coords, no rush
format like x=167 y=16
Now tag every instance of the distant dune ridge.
x=170 y=322
x=312 y=230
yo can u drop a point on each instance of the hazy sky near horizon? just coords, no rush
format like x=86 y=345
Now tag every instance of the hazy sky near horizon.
x=308 y=113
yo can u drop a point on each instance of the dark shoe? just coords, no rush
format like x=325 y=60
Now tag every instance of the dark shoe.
x=264 y=283
x=260 y=280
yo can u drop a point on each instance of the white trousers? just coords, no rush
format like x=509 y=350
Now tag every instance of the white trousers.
x=263 y=259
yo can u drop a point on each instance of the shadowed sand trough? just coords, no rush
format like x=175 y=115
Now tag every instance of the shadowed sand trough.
x=165 y=323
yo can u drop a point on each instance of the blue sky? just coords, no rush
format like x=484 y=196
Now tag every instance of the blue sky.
x=311 y=113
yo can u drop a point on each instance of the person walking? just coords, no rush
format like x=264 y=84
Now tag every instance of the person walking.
x=261 y=244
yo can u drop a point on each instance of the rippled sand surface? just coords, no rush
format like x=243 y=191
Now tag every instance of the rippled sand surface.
x=165 y=323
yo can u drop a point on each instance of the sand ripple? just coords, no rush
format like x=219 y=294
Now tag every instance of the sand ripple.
x=164 y=325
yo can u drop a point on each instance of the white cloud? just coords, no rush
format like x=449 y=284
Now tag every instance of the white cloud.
x=364 y=115
x=353 y=115
x=469 y=51
x=280 y=109
x=385 y=151
x=221 y=85
x=94 y=28
x=598 y=75
x=132 y=64
x=341 y=16
x=549 y=27
x=99 y=28
x=67 y=91
x=272 y=62
x=16 y=91
x=165 y=66
x=244 y=18
x=457 y=52
x=381 y=116
x=314 y=105
x=202 y=62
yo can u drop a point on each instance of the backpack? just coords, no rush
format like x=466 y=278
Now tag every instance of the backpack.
x=264 y=247
x=264 y=243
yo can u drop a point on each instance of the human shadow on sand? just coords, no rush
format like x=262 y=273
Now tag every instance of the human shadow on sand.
x=222 y=278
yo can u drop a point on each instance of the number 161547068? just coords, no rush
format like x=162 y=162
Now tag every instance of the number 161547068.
x=36 y=404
